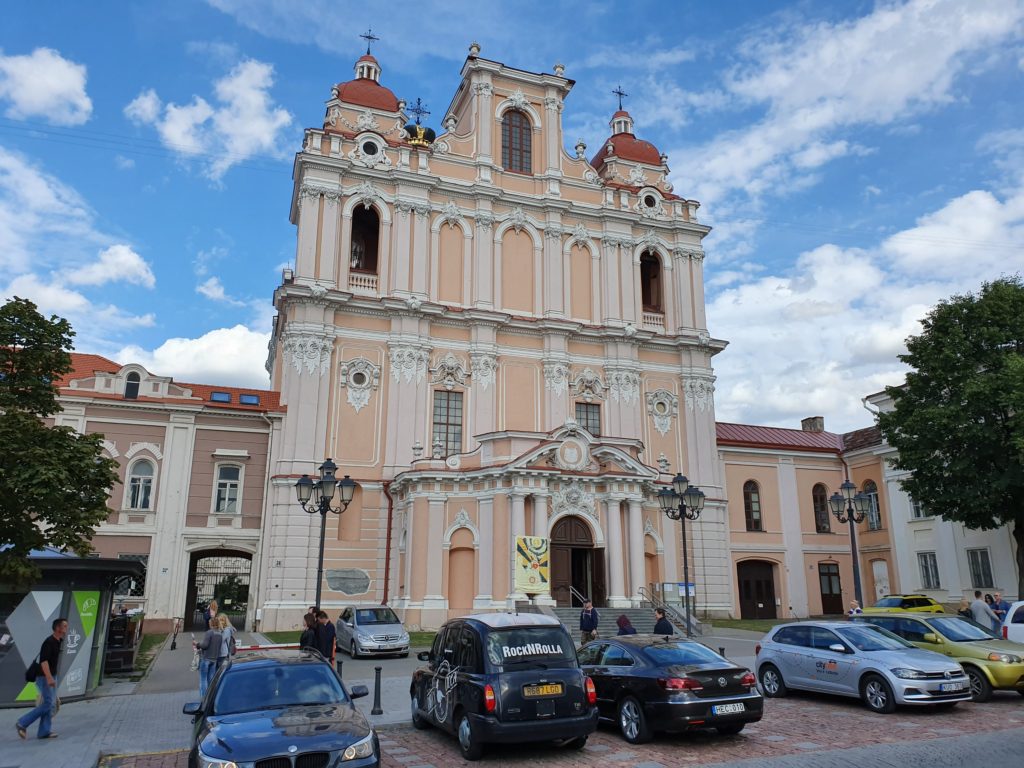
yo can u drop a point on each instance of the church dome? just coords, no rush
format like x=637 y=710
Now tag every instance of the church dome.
x=365 y=90
x=625 y=145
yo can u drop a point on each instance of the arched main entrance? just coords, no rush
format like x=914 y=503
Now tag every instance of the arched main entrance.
x=756 y=579
x=220 y=574
x=576 y=563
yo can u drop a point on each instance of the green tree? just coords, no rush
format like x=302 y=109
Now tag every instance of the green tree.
x=54 y=482
x=958 y=421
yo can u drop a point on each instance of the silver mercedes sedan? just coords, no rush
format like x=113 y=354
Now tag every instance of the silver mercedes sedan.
x=859 y=660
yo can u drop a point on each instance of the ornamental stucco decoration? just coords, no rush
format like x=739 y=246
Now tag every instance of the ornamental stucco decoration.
x=649 y=240
x=135 y=448
x=553 y=232
x=309 y=352
x=553 y=104
x=450 y=215
x=517 y=100
x=588 y=386
x=361 y=378
x=574 y=499
x=408 y=360
x=367 y=194
x=449 y=371
x=379 y=159
x=483 y=89
x=484 y=220
x=366 y=121
x=637 y=177
x=110 y=447
x=663 y=407
x=580 y=234
x=318 y=290
x=556 y=376
x=624 y=385
x=484 y=365
x=591 y=176
x=517 y=219
x=699 y=393
x=440 y=147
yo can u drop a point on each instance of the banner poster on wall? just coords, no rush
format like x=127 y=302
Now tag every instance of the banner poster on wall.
x=74 y=663
x=532 y=565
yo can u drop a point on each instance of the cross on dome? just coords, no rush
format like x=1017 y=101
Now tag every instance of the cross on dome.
x=419 y=109
x=369 y=37
x=620 y=93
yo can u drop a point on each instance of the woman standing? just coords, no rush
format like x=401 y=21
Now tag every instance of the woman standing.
x=209 y=612
x=210 y=648
x=227 y=634
x=308 y=638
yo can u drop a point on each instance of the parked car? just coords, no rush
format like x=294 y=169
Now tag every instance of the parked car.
x=1013 y=624
x=859 y=660
x=280 y=708
x=650 y=683
x=990 y=662
x=374 y=630
x=912 y=603
x=504 y=678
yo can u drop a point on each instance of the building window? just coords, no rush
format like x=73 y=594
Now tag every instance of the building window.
x=249 y=399
x=447 y=422
x=131 y=386
x=220 y=397
x=228 y=482
x=588 y=416
x=918 y=511
x=874 y=512
x=140 y=485
x=650 y=282
x=752 y=506
x=515 y=142
x=131 y=587
x=822 y=518
x=365 y=237
x=981 y=568
x=929 y=570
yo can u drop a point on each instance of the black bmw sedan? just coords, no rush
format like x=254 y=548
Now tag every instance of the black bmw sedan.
x=649 y=683
x=280 y=709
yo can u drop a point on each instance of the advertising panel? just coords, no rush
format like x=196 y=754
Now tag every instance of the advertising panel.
x=532 y=565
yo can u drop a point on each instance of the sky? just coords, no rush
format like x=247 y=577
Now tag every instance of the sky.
x=858 y=162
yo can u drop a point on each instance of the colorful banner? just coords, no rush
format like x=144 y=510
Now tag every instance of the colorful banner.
x=75 y=661
x=532 y=566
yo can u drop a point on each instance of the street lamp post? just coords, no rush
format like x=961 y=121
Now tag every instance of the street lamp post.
x=850 y=507
x=315 y=498
x=682 y=502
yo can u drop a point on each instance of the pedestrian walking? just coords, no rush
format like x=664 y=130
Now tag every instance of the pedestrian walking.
x=43 y=672
x=662 y=626
x=589 y=621
x=308 y=638
x=326 y=637
x=625 y=626
x=982 y=614
x=209 y=648
x=855 y=609
x=227 y=634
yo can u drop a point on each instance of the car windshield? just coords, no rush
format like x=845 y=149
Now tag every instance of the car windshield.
x=870 y=638
x=682 y=654
x=366 y=616
x=244 y=688
x=960 y=630
x=889 y=602
x=533 y=647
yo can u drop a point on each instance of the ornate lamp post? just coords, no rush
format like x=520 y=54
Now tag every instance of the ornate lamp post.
x=850 y=507
x=315 y=497
x=682 y=502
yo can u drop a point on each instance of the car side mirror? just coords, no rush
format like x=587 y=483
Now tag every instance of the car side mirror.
x=193 y=708
x=838 y=648
x=423 y=655
x=930 y=637
x=359 y=691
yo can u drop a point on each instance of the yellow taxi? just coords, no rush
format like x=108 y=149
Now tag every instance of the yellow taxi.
x=914 y=603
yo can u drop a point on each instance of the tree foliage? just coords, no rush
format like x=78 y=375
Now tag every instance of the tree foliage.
x=958 y=421
x=54 y=482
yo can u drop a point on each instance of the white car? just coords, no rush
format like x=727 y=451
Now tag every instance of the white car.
x=1013 y=624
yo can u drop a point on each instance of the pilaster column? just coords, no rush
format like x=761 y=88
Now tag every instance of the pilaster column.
x=434 y=595
x=616 y=571
x=636 y=548
x=485 y=555
x=517 y=527
x=540 y=515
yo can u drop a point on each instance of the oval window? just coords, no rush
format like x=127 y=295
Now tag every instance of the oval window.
x=369 y=148
x=649 y=201
x=661 y=408
x=359 y=378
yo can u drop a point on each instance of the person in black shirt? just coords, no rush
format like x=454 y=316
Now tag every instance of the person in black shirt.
x=326 y=636
x=46 y=682
x=308 y=639
x=662 y=626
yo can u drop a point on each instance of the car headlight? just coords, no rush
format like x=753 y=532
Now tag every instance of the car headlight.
x=364 y=637
x=362 y=748
x=212 y=762
x=1006 y=658
x=908 y=674
x=404 y=637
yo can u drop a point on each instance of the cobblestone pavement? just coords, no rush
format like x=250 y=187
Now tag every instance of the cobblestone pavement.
x=793 y=731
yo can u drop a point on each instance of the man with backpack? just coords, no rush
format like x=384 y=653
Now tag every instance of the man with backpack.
x=43 y=672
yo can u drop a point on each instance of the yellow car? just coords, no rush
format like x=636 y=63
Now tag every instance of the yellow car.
x=899 y=603
x=989 y=661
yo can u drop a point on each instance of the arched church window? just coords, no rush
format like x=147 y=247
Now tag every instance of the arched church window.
x=650 y=282
x=819 y=499
x=131 y=386
x=140 y=485
x=516 y=142
x=752 y=506
x=365 y=238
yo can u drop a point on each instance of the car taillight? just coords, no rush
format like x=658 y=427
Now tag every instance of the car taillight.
x=1006 y=633
x=748 y=680
x=757 y=649
x=489 y=701
x=591 y=692
x=680 y=684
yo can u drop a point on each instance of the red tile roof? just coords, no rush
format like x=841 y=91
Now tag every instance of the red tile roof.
x=626 y=146
x=750 y=436
x=365 y=92
x=862 y=438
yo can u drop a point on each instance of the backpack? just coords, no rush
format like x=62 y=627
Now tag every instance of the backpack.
x=232 y=645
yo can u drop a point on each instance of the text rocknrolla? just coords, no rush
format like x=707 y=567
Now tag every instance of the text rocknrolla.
x=531 y=649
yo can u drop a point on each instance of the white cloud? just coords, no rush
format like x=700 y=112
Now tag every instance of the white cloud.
x=118 y=263
x=230 y=356
x=213 y=289
x=87 y=317
x=44 y=84
x=124 y=163
x=244 y=123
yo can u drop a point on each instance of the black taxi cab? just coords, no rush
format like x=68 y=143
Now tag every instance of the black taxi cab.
x=503 y=678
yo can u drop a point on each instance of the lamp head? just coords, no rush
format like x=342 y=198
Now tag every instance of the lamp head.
x=328 y=482
x=848 y=489
x=304 y=489
x=347 y=489
x=837 y=503
x=862 y=504
x=679 y=484
x=694 y=499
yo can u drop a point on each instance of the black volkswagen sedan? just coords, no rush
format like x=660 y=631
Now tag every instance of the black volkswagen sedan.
x=280 y=709
x=500 y=677
x=648 y=683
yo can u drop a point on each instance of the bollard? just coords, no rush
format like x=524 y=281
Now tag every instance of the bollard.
x=721 y=650
x=376 y=693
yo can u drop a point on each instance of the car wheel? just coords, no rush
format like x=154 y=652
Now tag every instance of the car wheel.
x=469 y=746
x=730 y=730
x=633 y=722
x=418 y=721
x=877 y=695
x=353 y=651
x=981 y=688
x=771 y=682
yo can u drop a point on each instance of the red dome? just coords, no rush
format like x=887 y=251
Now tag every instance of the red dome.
x=368 y=93
x=626 y=146
x=622 y=113
x=368 y=57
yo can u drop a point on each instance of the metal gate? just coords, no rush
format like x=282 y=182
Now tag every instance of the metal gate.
x=223 y=577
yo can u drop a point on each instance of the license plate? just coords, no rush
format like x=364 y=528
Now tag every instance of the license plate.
x=727 y=709
x=549 y=689
x=948 y=687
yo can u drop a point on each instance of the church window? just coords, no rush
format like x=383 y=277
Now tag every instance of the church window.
x=874 y=511
x=447 y=422
x=650 y=282
x=131 y=386
x=588 y=416
x=140 y=485
x=516 y=142
x=365 y=237
x=819 y=499
x=229 y=479
x=752 y=506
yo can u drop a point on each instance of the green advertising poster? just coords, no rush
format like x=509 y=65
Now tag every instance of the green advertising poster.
x=88 y=604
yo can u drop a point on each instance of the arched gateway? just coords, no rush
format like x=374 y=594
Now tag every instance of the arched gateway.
x=576 y=562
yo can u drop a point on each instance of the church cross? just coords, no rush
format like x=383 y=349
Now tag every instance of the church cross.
x=369 y=37
x=620 y=93
x=419 y=109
